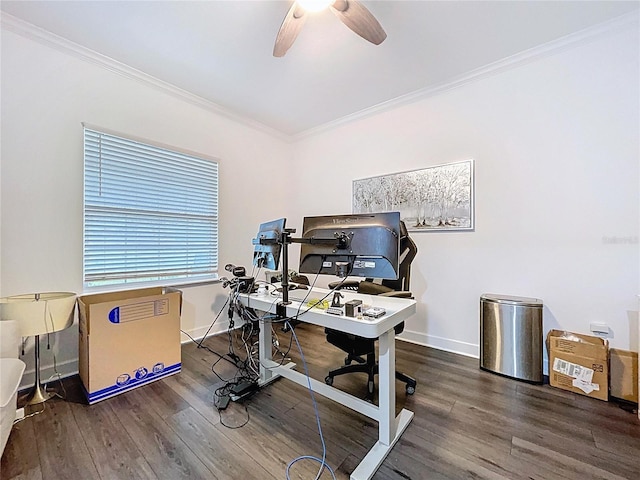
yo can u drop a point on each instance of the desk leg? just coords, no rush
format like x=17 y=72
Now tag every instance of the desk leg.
x=387 y=387
x=390 y=427
x=265 y=348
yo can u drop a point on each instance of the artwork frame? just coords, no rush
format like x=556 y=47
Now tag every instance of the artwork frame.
x=432 y=199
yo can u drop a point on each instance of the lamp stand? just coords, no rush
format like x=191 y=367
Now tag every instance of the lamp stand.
x=38 y=394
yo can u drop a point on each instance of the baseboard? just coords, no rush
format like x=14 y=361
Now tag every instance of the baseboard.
x=200 y=332
x=440 y=343
x=453 y=346
x=49 y=374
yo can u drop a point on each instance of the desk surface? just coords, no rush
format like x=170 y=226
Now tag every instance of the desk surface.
x=398 y=310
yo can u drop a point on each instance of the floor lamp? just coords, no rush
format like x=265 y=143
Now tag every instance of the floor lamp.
x=39 y=314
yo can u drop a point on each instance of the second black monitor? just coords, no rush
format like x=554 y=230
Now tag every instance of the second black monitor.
x=361 y=245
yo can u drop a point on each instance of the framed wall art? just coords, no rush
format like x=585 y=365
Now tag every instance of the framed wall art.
x=435 y=198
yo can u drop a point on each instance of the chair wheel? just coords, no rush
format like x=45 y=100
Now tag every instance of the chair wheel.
x=410 y=389
x=328 y=380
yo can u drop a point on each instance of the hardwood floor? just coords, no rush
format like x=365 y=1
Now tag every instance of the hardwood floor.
x=468 y=424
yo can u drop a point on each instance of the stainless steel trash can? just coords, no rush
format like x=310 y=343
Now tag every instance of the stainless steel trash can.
x=511 y=336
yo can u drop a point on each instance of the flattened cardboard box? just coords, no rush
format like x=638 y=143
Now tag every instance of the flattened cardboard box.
x=624 y=374
x=579 y=363
x=128 y=339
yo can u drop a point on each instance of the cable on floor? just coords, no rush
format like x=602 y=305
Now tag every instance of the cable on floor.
x=321 y=461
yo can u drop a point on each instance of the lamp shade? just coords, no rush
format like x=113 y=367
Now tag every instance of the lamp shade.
x=39 y=313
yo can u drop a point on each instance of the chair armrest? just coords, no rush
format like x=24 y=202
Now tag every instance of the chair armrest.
x=397 y=294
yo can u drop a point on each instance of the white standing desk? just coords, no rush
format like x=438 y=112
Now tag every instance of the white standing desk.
x=390 y=426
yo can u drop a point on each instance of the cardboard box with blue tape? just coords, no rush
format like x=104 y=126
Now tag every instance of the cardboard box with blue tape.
x=128 y=339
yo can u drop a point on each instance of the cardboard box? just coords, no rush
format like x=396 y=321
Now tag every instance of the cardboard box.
x=624 y=374
x=128 y=339
x=579 y=363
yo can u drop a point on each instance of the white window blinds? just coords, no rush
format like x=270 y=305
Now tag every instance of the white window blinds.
x=150 y=214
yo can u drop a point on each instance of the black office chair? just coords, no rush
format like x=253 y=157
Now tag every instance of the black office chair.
x=358 y=347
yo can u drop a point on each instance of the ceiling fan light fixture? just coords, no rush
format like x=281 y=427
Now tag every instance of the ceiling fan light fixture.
x=350 y=12
x=314 y=5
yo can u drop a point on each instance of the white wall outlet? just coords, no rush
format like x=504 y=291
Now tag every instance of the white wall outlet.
x=599 y=328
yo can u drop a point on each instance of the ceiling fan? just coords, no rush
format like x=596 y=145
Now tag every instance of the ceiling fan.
x=351 y=12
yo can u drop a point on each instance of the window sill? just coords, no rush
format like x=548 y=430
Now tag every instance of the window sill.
x=140 y=285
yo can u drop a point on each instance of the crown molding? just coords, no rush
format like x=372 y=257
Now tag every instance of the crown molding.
x=49 y=39
x=587 y=35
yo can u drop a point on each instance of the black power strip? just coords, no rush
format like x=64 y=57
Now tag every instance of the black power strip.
x=242 y=390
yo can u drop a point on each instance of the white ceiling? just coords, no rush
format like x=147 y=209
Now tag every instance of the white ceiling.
x=222 y=50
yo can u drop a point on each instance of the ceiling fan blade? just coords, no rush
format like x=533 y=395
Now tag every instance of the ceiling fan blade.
x=355 y=16
x=289 y=30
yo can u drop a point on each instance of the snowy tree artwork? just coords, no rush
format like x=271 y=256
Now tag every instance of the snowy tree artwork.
x=430 y=199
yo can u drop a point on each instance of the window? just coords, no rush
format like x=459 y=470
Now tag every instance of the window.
x=150 y=214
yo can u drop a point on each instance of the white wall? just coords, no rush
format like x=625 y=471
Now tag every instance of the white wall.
x=46 y=94
x=556 y=149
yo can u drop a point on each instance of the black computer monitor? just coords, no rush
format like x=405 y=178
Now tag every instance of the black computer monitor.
x=267 y=246
x=361 y=245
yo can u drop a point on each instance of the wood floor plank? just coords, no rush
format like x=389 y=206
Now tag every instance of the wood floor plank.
x=200 y=367
x=571 y=467
x=614 y=442
x=505 y=405
x=20 y=459
x=267 y=446
x=115 y=454
x=413 y=458
x=302 y=430
x=199 y=397
x=61 y=448
x=487 y=444
x=215 y=451
x=169 y=457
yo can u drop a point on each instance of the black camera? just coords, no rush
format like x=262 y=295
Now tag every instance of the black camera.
x=239 y=281
x=236 y=271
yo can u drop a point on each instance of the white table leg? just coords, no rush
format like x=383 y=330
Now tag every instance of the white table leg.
x=390 y=427
x=264 y=352
x=387 y=387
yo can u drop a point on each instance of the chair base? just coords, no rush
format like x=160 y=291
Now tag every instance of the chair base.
x=371 y=368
